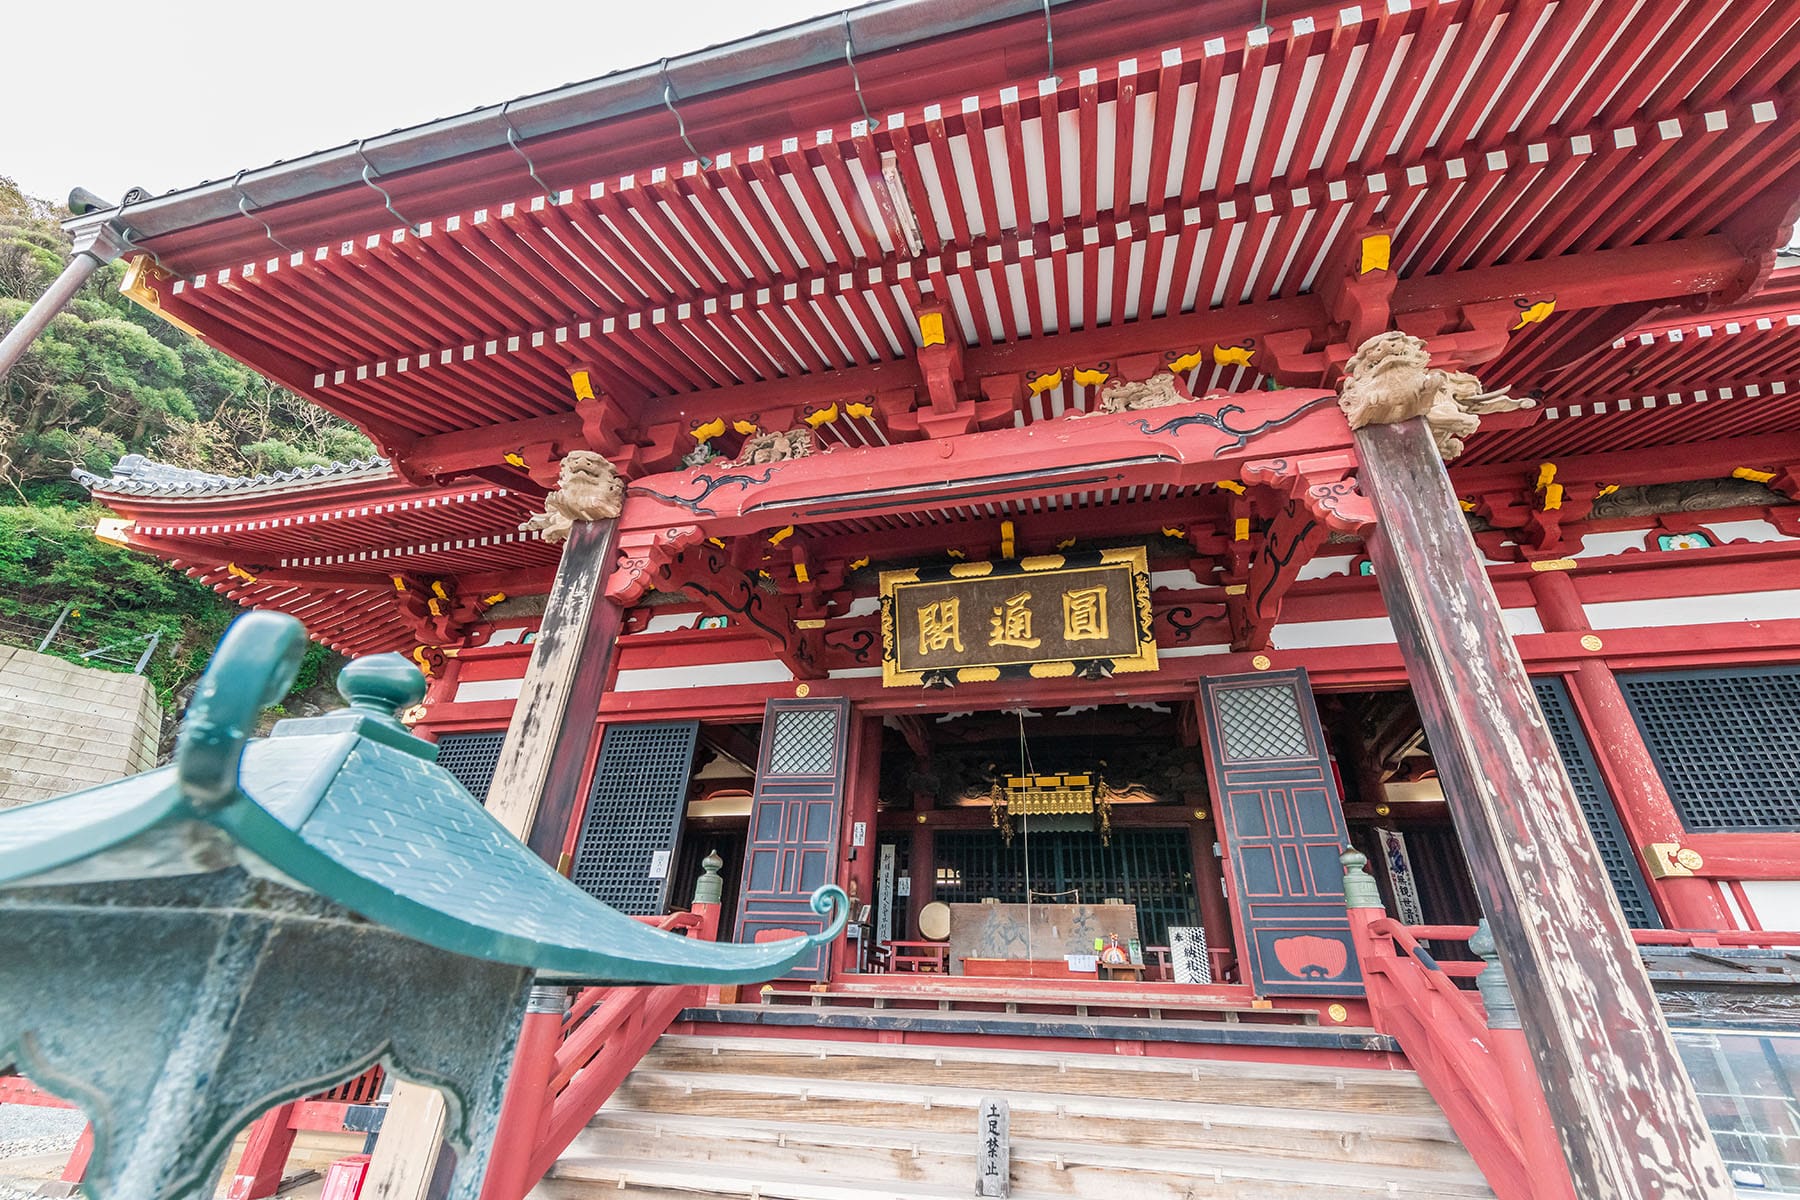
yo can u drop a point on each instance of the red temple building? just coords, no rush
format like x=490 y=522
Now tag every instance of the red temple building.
x=941 y=408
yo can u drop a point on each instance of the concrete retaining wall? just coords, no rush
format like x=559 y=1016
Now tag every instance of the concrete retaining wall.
x=64 y=727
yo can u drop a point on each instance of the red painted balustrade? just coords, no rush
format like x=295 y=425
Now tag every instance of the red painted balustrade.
x=567 y=1064
x=1481 y=1077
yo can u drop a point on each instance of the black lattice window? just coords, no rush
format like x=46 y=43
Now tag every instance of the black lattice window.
x=1151 y=868
x=471 y=758
x=1727 y=743
x=634 y=815
x=1262 y=722
x=804 y=743
x=1597 y=805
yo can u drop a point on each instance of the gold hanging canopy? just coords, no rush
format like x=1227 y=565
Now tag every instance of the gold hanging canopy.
x=1047 y=795
x=1065 y=799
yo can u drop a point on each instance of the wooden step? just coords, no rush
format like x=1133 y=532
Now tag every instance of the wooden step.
x=944 y=1148
x=1200 y=1080
x=575 y=1178
x=1164 y=1124
x=1041 y=1025
x=1080 y=1000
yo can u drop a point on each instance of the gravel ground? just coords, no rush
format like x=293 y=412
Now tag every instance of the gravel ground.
x=27 y=1130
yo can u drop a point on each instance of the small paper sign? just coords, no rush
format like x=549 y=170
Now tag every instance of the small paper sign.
x=659 y=864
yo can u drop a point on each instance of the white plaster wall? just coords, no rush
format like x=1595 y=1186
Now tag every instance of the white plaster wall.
x=1776 y=902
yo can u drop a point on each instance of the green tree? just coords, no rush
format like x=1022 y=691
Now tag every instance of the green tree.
x=106 y=379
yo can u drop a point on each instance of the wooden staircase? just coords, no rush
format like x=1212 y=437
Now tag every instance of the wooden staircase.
x=772 y=1118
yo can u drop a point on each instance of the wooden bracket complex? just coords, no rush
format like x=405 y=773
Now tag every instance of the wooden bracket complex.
x=1318 y=498
x=682 y=559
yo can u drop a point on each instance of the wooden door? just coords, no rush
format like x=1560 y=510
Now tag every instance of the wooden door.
x=1283 y=826
x=794 y=819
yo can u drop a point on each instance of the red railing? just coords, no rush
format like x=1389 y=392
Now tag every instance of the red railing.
x=1482 y=1077
x=568 y=1064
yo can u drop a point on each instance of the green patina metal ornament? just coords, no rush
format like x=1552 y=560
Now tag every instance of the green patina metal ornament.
x=183 y=949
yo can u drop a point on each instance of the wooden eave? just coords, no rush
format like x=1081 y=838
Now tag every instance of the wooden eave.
x=1176 y=195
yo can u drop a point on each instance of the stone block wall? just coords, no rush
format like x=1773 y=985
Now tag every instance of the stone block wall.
x=64 y=727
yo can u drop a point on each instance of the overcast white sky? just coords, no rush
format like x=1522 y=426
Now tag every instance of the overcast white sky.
x=110 y=95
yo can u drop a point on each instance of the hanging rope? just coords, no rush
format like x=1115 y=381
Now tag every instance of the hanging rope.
x=1026 y=768
x=1050 y=45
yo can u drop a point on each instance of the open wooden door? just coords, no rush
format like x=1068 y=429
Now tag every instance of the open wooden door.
x=794 y=819
x=1283 y=825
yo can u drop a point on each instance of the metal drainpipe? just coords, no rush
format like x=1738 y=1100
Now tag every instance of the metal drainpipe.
x=94 y=248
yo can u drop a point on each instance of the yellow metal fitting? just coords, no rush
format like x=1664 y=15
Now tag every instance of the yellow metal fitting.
x=1233 y=356
x=1531 y=314
x=931 y=329
x=1376 y=250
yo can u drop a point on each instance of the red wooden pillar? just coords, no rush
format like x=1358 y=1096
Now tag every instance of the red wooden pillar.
x=265 y=1154
x=1630 y=1123
x=921 y=861
x=862 y=804
x=1644 y=807
x=527 y=1101
x=1209 y=883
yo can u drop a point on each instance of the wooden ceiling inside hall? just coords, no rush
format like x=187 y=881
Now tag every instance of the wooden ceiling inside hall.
x=1182 y=167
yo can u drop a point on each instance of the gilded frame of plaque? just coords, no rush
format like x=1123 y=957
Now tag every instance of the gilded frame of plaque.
x=1133 y=648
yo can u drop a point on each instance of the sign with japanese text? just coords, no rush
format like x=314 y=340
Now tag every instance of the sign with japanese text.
x=993 y=1152
x=1041 y=617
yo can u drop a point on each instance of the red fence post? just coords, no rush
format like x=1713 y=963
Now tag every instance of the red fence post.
x=265 y=1155
x=1532 y=1121
x=521 y=1124
x=76 y=1168
x=709 y=896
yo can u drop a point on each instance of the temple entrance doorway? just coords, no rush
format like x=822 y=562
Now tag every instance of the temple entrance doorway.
x=1075 y=827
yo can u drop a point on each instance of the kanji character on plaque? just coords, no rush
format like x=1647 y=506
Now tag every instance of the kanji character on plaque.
x=940 y=626
x=1011 y=623
x=1084 y=614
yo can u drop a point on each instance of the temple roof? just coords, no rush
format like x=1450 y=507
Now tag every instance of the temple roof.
x=354 y=808
x=135 y=475
x=1180 y=186
x=367 y=560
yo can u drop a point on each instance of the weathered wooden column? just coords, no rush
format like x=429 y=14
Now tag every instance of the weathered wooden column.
x=537 y=778
x=1630 y=1123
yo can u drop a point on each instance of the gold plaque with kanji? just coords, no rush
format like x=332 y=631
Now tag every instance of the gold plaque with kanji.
x=1041 y=617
